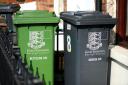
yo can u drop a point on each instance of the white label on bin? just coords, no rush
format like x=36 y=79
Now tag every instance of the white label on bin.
x=68 y=27
x=36 y=39
x=94 y=59
x=94 y=40
x=39 y=58
x=68 y=43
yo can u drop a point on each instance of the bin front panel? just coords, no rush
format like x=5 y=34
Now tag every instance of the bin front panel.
x=37 y=42
x=86 y=55
x=93 y=54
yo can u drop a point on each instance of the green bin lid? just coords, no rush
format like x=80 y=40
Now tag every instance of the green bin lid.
x=29 y=12
x=33 y=13
x=35 y=17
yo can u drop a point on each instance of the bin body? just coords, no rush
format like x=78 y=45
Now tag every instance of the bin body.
x=86 y=48
x=36 y=42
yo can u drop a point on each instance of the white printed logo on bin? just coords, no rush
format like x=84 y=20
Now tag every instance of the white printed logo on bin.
x=36 y=39
x=94 y=40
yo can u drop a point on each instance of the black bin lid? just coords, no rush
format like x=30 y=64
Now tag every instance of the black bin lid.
x=87 y=18
x=9 y=8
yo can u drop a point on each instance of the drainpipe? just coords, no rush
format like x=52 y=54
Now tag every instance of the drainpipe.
x=98 y=6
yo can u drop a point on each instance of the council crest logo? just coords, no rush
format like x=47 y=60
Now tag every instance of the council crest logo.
x=36 y=39
x=94 y=40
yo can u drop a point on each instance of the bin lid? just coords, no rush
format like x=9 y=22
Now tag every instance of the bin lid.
x=37 y=17
x=35 y=11
x=33 y=14
x=9 y=8
x=87 y=18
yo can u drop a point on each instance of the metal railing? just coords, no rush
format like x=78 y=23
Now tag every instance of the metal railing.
x=12 y=70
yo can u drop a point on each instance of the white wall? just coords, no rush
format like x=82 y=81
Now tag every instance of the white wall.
x=80 y=5
x=28 y=6
x=111 y=7
x=58 y=6
x=119 y=73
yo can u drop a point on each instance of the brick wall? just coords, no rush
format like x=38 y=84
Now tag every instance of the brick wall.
x=45 y=5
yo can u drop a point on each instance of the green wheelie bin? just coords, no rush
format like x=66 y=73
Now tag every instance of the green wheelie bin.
x=35 y=36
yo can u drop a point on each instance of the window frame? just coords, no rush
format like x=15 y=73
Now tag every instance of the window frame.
x=121 y=20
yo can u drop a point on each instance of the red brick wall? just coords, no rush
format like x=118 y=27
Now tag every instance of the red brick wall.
x=45 y=5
